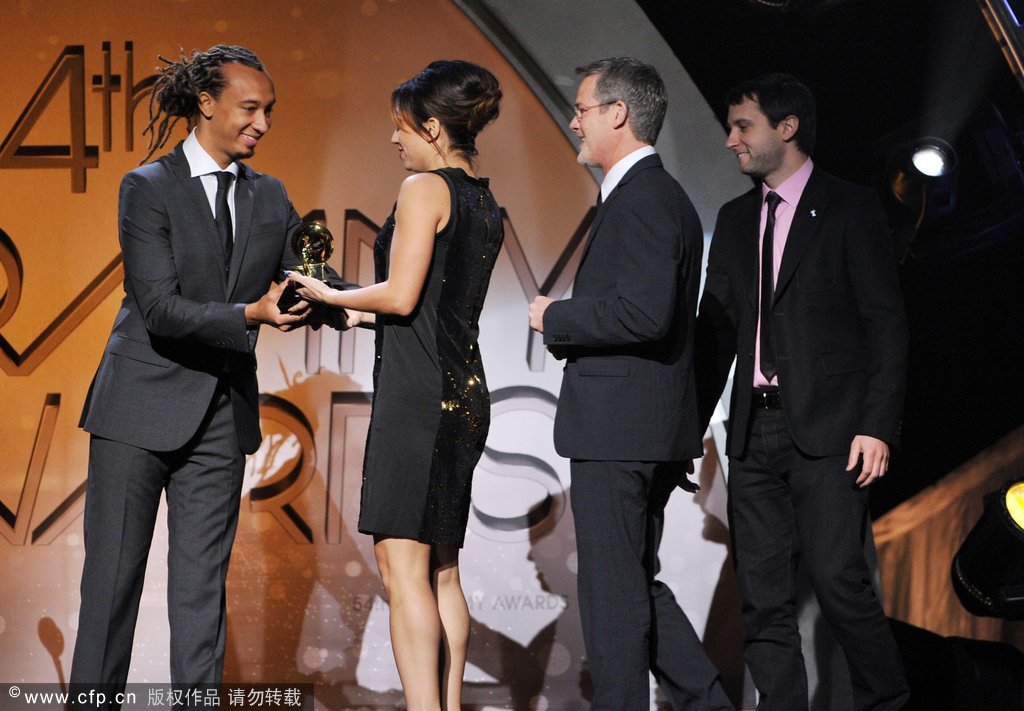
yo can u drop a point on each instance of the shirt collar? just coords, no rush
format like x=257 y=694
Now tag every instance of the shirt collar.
x=792 y=187
x=612 y=178
x=199 y=161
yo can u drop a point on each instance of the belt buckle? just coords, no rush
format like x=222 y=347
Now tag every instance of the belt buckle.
x=768 y=399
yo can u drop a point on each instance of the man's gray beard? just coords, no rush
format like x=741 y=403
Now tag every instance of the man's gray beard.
x=583 y=161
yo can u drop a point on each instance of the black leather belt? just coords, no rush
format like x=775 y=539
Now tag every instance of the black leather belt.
x=766 y=400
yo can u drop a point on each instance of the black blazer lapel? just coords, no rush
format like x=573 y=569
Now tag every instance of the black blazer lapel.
x=206 y=224
x=749 y=243
x=598 y=217
x=650 y=161
x=807 y=221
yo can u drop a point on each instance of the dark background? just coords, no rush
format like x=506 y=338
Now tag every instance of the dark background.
x=884 y=73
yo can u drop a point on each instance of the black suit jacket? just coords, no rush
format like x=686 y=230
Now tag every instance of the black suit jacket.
x=628 y=389
x=181 y=327
x=837 y=319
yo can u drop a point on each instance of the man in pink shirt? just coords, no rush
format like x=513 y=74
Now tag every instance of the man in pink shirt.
x=802 y=290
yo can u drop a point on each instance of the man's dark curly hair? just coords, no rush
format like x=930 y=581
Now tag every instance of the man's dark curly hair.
x=179 y=84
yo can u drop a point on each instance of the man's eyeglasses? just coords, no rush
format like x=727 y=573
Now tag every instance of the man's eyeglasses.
x=580 y=110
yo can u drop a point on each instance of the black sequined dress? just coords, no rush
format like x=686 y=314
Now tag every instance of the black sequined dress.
x=431 y=408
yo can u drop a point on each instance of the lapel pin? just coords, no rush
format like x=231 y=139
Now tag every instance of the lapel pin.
x=814 y=213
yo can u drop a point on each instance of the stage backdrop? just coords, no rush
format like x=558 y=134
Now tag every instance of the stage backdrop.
x=305 y=603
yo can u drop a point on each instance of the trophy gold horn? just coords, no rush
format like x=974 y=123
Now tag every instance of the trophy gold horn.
x=314 y=244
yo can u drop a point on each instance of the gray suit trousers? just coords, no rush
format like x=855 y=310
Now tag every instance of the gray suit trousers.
x=203 y=482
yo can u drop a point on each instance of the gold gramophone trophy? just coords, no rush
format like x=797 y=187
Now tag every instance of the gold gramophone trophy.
x=314 y=244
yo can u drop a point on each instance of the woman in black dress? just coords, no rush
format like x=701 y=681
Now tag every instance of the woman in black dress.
x=431 y=408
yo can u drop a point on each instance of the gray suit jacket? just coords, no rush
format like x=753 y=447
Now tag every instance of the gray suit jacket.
x=628 y=390
x=181 y=327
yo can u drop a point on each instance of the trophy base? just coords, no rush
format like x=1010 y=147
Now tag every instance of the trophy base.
x=288 y=299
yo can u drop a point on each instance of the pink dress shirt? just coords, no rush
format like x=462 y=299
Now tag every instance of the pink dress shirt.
x=790 y=191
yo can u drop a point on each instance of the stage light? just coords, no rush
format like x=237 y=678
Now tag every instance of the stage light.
x=922 y=176
x=1015 y=503
x=932 y=159
x=988 y=570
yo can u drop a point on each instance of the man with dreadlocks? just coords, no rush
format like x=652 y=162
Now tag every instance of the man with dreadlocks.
x=174 y=405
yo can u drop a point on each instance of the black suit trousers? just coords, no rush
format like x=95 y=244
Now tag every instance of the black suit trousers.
x=631 y=621
x=785 y=506
x=203 y=483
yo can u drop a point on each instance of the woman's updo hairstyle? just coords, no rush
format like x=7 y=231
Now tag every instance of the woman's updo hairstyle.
x=462 y=96
x=178 y=86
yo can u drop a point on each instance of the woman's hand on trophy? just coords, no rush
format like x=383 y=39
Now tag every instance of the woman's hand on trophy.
x=310 y=289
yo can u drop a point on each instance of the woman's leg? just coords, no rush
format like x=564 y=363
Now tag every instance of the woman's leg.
x=454 y=613
x=405 y=569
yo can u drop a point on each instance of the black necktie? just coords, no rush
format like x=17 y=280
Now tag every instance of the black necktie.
x=768 y=288
x=223 y=217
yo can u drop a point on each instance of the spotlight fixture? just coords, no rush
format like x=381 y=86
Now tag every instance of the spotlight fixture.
x=933 y=158
x=922 y=175
x=988 y=570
